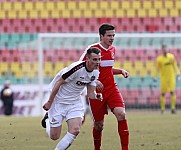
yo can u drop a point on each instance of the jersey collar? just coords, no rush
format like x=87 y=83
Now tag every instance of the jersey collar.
x=106 y=49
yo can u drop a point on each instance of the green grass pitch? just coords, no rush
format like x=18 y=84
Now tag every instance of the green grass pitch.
x=148 y=131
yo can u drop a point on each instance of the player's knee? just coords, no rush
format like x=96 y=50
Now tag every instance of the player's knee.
x=75 y=131
x=99 y=126
x=54 y=137
x=121 y=115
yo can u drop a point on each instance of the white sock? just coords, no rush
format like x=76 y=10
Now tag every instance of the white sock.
x=65 y=142
x=47 y=127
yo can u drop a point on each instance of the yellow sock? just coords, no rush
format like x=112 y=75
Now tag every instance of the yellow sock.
x=173 y=102
x=162 y=103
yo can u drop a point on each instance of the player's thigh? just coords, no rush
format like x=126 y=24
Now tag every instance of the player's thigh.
x=115 y=99
x=56 y=114
x=167 y=85
x=98 y=109
x=75 y=111
x=55 y=132
x=172 y=85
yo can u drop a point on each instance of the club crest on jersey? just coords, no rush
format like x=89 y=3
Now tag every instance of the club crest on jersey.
x=93 y=78
x=112 y=55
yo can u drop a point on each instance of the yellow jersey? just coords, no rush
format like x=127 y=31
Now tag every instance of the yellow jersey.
x=167 y=68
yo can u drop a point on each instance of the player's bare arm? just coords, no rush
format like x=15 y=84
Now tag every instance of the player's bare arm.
x=92 y=94
x=48 y=104
x=99 y=85
x=120 y=71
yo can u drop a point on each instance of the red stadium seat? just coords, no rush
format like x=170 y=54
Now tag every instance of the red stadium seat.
x=9 y=29
x=157 y=21
x=51 y=55
x=93 y=24
x=103 y=20
x=163 y=28
x=178 y=94
x=6 y=55
x=178 y=23
x=71 y=21
x=61 y=55
x=140 y=28
x=149 y=25
x=15 y=55
x=28 y=22
x=136 y=21
x=147 y=21
x=38 y=22
x=140 y=54
x=72 y=55
x=170 y=24
x=130 y=55
x=174 y=28
x=168 y=21
x=115 y=21
x=125 y=21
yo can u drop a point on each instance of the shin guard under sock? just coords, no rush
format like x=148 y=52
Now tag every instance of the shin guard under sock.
x=123 y=133
x=97 y=135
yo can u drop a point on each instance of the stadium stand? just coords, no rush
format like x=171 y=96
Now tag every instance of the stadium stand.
x=21 y=21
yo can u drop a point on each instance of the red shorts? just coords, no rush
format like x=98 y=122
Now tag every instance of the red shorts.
x=111 y=98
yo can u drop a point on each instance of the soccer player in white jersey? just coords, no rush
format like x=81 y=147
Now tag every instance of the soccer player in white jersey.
x=65 y=98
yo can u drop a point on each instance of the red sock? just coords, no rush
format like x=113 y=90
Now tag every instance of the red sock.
x=123 y=133
x=97 y=135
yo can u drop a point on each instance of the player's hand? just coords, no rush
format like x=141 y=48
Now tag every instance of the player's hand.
x=47 y=106
x=124 y=73
x=99 y=96
x=99 y=85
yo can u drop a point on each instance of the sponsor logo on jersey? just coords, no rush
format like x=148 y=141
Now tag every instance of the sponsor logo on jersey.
x=54 y=121
x=81 y=83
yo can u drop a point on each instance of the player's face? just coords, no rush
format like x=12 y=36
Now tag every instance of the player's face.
x=93 y=61
x=108 y=38
x=164 y=50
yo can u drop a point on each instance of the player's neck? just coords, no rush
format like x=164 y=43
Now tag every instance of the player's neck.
x=104 y=45
x=88 y=68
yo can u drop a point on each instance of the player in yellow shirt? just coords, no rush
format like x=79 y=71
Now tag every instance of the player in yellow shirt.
x=167 y=68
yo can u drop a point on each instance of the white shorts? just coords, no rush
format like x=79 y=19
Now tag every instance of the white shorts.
x=58 y=112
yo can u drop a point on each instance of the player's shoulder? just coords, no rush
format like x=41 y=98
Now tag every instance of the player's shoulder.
x=170 y=55
x=78 y=64
x=159 y=57
x=96 y=72
x=94 y=44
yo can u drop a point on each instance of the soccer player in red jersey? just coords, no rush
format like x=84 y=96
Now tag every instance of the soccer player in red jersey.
x=106 y=84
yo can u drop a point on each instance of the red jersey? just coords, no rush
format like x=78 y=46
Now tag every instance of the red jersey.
x=107 y=61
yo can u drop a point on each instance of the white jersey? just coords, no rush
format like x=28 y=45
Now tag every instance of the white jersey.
x=76 y=77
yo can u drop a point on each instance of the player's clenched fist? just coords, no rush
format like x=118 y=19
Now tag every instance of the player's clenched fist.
x=47 y=106
x=99 y=96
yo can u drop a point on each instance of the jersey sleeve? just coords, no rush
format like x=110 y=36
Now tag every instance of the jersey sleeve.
x=67 y=73
x=52 y=83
